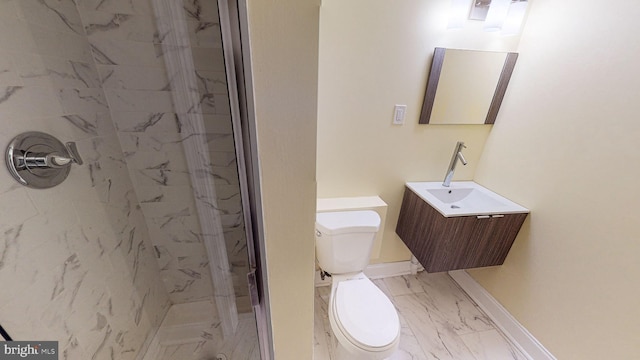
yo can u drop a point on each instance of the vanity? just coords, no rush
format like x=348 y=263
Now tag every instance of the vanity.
x=458 y=227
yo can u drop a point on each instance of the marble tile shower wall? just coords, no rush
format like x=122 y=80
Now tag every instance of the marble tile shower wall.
x=129 y=54
x=76 y=261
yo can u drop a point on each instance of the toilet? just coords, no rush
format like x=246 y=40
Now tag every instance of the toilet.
x=363 y=319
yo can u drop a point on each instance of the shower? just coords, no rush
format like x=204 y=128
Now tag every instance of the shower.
x=146 y=250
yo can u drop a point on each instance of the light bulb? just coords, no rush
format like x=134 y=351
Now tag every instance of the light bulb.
x=513 y=22
x=497 y=14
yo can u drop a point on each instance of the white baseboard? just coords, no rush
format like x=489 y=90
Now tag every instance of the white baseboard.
x=378 y=271
x=517 y=333
x=383 y=270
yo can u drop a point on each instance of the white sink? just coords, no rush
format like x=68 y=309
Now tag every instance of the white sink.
x=464 y=198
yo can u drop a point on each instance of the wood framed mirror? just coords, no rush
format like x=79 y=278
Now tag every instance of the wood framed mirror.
x=466 y=86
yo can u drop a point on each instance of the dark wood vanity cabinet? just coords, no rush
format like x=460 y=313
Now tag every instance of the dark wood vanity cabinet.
x=450 y=243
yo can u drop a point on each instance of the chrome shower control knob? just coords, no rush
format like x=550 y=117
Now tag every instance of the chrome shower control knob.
x=39 y=160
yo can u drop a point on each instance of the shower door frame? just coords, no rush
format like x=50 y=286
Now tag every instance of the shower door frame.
x=234 y=26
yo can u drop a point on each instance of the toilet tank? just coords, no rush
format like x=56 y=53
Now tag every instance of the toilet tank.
x=344 y=240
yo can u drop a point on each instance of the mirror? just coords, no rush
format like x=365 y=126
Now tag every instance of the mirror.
x=466 y=86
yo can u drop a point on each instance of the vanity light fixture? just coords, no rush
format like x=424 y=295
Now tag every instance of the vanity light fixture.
x=458 y=14
x=515 y=17
x=505 y=16
x=498 y=11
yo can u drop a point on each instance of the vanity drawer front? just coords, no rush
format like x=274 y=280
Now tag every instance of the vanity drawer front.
x=443 y=244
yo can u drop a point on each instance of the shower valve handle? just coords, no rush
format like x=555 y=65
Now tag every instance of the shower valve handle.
x=39 y=160
x=54 y=159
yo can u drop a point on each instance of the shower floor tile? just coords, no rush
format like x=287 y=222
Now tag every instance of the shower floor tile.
x=438 y=321
x=242 y=346
x=191 y=331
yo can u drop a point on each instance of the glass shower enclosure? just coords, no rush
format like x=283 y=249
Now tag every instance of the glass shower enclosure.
x=142 y=252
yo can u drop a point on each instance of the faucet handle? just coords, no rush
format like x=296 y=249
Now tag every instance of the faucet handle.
x=462 y=159
x=74 y=155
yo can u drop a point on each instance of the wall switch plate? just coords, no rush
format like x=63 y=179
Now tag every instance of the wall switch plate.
x=399 y=112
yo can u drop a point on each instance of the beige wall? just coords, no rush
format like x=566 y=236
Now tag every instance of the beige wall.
x=375 y=54
x=567 y=126
x=566 y=145
x=284 y=40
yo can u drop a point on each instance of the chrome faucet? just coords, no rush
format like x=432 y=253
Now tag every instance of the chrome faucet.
x=457 y=155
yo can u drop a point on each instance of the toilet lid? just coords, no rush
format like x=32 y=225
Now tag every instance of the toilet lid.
x=367 y=316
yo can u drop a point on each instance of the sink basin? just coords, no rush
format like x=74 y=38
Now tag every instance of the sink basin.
x=464 y=198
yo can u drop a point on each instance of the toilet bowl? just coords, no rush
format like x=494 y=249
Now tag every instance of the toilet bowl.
x=363 y=319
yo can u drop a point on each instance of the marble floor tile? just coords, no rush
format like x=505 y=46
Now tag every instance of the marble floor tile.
x=434 y=330
x=438 y=321
x=323 y=341
x=409 y=347
x=403 y=285
x=445 y=296
x=491 y=344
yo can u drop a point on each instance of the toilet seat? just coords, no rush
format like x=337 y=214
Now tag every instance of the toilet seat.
x=365 y=316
